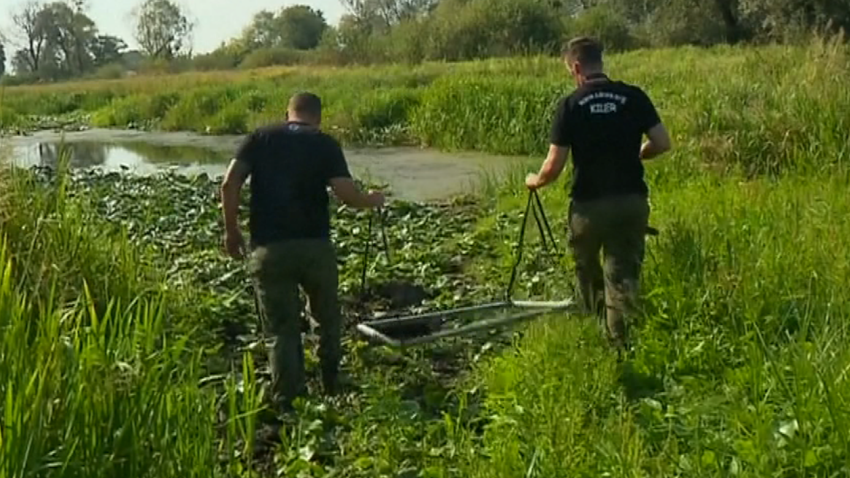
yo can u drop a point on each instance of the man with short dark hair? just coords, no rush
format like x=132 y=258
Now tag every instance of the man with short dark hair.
x=291 y=164
x=602 y=122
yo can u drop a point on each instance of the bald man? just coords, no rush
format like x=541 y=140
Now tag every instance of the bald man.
x=291 y=164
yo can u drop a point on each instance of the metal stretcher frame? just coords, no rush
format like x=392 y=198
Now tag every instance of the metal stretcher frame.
x=536 y=308
x=370 y=329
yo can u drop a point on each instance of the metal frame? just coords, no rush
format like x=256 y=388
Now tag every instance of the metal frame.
x=371 y=328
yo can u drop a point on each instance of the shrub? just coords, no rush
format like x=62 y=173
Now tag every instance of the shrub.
x=271 y=57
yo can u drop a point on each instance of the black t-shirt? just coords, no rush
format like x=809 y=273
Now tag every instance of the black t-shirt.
x=290 y=167
x=603 y=123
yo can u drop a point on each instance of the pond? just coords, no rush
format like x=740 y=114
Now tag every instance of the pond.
x=413 y=173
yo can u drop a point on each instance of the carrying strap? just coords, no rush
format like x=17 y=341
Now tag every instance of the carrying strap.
x=381 y=213
x=535 y=205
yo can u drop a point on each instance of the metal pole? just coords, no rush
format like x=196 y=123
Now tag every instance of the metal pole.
x=370 y=332
x=484 y=324
x=415 y=318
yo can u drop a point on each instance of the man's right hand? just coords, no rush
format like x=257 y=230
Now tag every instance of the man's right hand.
x=234 y=243
x=376 y=199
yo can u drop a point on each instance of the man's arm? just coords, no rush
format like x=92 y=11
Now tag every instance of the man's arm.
x=659 y=140
x=658 y=143
x=231 y=188
x=343 y=186
x=346 y=190
x=560 y=138
x=551 y=168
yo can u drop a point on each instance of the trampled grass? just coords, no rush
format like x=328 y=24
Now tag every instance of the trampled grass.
x=740 y=367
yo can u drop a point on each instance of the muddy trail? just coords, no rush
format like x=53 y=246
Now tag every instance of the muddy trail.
x=413 y=174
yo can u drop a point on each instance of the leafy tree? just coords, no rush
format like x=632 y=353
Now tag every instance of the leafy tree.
x=262 y=32
x=21 y=62
x=106 y=49
x=162 y=28
x=71 y=33
x=778 y=19
x=30 y=27
x=301 y=27
x=56 y=39
x=606 y=23
x=383 y=14
x=297 y=26
x=2 y=59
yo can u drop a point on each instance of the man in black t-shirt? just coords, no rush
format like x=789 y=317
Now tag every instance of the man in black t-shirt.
x=603 y=123
x=291 y=164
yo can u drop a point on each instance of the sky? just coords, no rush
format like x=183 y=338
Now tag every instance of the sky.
x=216 y=20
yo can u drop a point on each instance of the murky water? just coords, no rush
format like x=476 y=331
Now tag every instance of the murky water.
x=412 y=173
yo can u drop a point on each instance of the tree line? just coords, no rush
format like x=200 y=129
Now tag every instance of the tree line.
x=57 y=40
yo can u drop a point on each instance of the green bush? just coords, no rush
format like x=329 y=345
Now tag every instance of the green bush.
x=605 y=24
x=385 y=108
x=124 y=111
x=192 y=111
x=509 y=116
x=232 y=119
x=273 y=57
x=112 y=71
x=8 y=118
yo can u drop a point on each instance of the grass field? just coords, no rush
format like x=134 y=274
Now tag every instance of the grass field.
x=141 y=355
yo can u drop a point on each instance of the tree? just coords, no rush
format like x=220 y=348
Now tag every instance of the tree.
x=297 y=26
x=21 y=62
x=262 y=32
x=162 y=28
x=730 y=13
x=106 y=49
x=778 y=18
x=30 y=26
x=2 y=59
x=383 y=14
x=301 y=27
x=71 y=33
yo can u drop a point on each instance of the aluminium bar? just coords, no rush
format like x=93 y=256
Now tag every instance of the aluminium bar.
x=440 y=313
x=370 y=332
x=564 y=304
x=474 y=327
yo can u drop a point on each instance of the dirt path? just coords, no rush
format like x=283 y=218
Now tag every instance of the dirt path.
x=413 y=174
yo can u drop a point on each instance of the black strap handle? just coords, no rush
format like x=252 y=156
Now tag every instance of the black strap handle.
x=535 y=205
x=368 y=241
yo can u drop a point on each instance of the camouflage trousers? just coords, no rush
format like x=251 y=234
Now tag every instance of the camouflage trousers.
x=279 y=270
x=616 y=226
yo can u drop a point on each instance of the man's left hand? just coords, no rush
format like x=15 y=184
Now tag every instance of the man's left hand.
x=532 y=181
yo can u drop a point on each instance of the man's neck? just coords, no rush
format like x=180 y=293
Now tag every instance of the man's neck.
x=593 y=77
x=301 y=122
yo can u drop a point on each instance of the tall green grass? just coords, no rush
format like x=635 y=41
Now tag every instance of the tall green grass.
x=103 y=368
x=740 y=367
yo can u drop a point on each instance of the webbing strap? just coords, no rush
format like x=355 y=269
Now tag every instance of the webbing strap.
x=368 y=242
x=535 y=205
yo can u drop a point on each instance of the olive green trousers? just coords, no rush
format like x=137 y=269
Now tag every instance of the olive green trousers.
x=616 y=226
x=279 y=270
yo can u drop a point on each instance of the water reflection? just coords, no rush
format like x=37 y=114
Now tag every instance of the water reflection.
x=82 y=155
x=143 y=158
